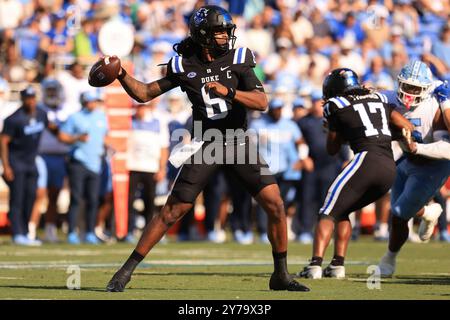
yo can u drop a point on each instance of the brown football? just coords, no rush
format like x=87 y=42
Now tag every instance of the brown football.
x=104 y=71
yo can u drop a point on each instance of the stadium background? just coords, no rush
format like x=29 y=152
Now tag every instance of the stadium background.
x=296 y=43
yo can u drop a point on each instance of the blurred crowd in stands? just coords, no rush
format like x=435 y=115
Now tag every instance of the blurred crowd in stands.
x=51 y=45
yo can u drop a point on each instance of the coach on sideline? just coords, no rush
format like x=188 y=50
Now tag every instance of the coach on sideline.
x=19 y=146
x=85 y=130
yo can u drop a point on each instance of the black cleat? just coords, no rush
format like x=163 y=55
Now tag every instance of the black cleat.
x=286 y=283
x=118 y=281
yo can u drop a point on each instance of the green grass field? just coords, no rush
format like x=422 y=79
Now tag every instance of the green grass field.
x=208 y=271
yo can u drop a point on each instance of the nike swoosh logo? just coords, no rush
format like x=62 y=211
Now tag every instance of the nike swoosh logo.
x=224 y=68
x=259 y=86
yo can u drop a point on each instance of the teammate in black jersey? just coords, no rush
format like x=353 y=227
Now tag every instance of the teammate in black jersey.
x=360 y=117
x=222 y=87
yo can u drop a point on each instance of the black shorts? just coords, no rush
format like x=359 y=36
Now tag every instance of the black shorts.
x=364 y=180
x=238 y=159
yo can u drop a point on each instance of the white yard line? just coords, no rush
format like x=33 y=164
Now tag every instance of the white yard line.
x=152 y=263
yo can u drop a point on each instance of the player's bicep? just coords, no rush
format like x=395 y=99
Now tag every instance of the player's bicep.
x=399 y=121
x=248 y=81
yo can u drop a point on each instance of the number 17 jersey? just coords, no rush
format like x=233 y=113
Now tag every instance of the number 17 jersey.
x=233 y=70
x=363 y=121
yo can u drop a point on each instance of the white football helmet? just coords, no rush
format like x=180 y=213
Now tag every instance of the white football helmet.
x=414 y=83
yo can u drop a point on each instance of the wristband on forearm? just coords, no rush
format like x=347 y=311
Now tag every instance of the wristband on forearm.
x=231 y=93
x=124 y=73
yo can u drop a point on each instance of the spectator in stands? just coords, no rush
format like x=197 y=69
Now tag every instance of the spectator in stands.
x=19 y=145
x=349 y=57
x=377 y=77
x=376 y=26
x=53 y=152
x=441 y=47
x=74 y=83
x=405 y=16
x=398 y=60
x=83 y=48
x=146 y=162
x=395 y=43
x=30 y=40
x=313 y=62
x=60 y=43
x=259 y=38
x=85 y=131
x=319 y=170
x=350 y=29
x=301 y=28
x=321 y=28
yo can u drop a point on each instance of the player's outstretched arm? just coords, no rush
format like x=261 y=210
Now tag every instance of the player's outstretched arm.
x=400 y=121
x=143 y=92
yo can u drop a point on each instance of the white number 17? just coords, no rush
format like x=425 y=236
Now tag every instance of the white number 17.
x=373 y=108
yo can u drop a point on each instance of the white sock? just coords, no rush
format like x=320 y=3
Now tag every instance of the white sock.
x=31 y=230
x=430 y=210
x=383 y=228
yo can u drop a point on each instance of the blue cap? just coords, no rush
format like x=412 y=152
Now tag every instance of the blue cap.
x=28 y=92
x=89 y=96
x=298 y=103
x=276 y=104
x=316 y=95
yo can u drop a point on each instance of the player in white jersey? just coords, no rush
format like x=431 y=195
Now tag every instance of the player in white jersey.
x=422 y=172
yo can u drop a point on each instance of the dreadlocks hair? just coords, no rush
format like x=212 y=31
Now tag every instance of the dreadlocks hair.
x=362 y=91
x=186 y=47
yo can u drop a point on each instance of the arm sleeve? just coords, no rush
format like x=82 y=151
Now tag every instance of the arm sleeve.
x=248 y=80
x=171 y=80
x=436 y=150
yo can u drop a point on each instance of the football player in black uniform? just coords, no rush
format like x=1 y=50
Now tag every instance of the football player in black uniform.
x=361 y=117
x=221 y=85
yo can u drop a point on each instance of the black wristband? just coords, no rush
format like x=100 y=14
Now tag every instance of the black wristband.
x=231 y=93
x=124 y=73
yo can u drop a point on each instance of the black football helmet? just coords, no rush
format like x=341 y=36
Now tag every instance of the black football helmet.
x=340 y=81
x=206 y=21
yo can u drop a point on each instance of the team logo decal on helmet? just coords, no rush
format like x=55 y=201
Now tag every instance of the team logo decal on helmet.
x=200 y=16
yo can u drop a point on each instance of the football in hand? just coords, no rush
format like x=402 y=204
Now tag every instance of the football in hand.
x=104 y=71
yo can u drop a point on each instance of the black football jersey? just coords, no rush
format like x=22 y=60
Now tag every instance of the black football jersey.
x=234 y=69
x=363 y=121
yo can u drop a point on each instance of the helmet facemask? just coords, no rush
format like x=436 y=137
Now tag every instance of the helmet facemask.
x=411 y=94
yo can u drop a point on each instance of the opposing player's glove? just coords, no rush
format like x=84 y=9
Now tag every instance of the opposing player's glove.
x=442 y=92
x=407 y=143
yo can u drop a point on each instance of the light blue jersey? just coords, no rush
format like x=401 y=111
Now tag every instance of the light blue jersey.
x=94 y=124
x=277 y=142
x=418 y=178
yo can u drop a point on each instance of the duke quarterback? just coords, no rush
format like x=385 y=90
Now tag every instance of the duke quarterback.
x=220 y=83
